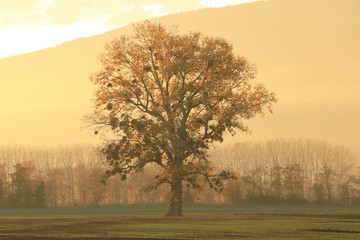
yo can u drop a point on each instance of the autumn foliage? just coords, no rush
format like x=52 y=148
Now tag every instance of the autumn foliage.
x=166 y=97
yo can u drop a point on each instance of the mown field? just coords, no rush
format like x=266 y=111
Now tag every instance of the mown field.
x=222 y=222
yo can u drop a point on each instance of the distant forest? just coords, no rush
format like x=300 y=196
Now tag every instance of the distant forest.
x=282 y=171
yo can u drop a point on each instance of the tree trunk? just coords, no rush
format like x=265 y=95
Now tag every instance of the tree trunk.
x=176 y=198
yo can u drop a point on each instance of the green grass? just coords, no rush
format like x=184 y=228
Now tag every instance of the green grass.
x=205 y=222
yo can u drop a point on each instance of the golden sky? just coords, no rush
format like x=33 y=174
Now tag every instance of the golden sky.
x=30 y=25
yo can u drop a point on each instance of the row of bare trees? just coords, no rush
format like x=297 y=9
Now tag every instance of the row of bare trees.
x=292 y=170
x=66 y=176
x=278 y=171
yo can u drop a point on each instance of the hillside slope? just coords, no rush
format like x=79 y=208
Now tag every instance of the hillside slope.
x=306 y=51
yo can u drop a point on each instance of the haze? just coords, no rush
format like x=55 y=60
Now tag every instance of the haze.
x=306 y=51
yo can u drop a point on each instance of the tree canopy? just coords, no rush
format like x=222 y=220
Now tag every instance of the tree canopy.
x=166 y=97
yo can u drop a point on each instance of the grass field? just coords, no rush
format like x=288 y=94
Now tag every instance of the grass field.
x=222 y=222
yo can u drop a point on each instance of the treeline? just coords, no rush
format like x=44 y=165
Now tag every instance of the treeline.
x=64 y=177
x=279 y=171
x=291 y=171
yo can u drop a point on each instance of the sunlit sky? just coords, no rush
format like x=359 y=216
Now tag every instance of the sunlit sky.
x=30 y=25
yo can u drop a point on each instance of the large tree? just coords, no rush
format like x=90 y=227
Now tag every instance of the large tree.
x=166 y=97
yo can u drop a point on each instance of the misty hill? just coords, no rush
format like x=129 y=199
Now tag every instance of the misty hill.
x=306 y=51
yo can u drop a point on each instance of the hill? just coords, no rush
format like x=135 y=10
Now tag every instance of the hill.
x=306 y=51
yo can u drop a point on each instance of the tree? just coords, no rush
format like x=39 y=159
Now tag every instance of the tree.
x=54 y=190
x=276 y=180
x=21 y=180
x=40 y=195
x=1 y=191
x=95 y=187
x=166 y=98
x=294 y=180
x=3 y=182
x=327 y=175
x=234 y=191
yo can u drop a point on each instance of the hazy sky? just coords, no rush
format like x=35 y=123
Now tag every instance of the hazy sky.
x=29 y=25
